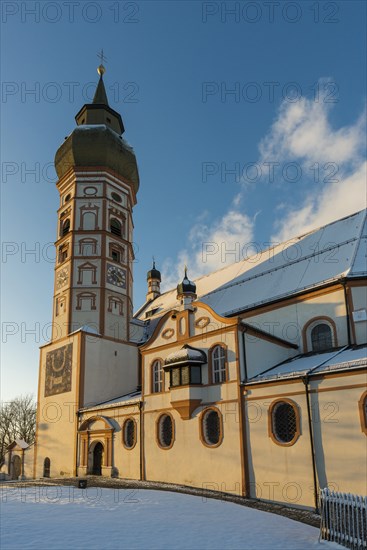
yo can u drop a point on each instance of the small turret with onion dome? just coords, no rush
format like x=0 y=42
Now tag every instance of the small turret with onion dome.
x=186 y=290
x=154 y=283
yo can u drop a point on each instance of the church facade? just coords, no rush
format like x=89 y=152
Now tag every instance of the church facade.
x=250 y=380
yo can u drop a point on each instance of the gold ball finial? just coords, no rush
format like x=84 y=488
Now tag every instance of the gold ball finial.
x=101 y=70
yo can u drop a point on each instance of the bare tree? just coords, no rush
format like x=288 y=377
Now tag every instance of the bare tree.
x=17 y=421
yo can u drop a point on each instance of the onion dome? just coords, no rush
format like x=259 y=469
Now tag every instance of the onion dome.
x=97 y=140
x=154 y=273
x=186 y=286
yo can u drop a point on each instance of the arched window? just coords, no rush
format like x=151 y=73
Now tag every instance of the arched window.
x=16 y=467
x=211 y=427
x=321 y=337
x=284 y=420
x=157 y=377
x=46 y=467
x=115 y=227
x=319 y=334
x=129 y=433
x=65 y=227
x=165 y=431
x=218 y=364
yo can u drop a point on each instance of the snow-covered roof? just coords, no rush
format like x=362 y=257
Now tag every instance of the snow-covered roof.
x=321 y=256
x=18 y=444
x=186 y=354
x=129 y=398
x=346 y=358
x=88 y=329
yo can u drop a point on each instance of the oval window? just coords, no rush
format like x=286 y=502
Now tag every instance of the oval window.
x=67 y=198
x=116 y=197
x=284 y=422
x=211 y=427
x=129 y=433
x=165 y=431
x=90 y=191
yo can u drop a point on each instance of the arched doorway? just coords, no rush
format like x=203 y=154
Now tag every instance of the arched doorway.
x=46 y=467
x=97 y=459
x=16 y=467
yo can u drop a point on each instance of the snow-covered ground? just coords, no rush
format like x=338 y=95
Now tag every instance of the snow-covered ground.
x=67 y=517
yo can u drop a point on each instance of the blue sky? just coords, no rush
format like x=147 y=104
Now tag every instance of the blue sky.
x=212 y=102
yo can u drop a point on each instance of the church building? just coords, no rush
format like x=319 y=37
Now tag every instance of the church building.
x=250 y=380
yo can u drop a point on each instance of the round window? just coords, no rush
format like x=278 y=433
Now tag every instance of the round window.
x=116 y=197
x=129 y=433
x=165 y=431
x=67 y=198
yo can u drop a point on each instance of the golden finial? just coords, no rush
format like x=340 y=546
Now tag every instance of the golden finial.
x=101 y=69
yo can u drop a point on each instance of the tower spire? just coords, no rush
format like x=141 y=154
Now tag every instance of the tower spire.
x=100 y=96
x=98 y=112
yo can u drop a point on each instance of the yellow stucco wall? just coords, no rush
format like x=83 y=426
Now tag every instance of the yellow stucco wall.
x=56 y=416
x=284 y=473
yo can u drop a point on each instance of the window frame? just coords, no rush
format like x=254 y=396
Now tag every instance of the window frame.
x=87 y=242
x=180 y=369
x=308 y=328
x=130 y=418
x=212 y=360
x=162 y=380
x=202 y=435
x=158 y=428
x=271 y=429
x=63 y=253
x=86 y=295
x=113 y=223
x=118 y=250
x=65 y=227
x=120 y=305
x=87 y=266
x=46 y=469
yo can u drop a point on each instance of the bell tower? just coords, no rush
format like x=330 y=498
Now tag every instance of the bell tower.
x=98 y=181
x=90 y=358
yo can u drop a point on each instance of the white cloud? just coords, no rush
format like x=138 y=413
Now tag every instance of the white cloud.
x=335 y=201
x=211 y=247
x=301 y=133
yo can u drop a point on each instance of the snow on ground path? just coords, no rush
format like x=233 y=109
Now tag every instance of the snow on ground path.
x=67 y=517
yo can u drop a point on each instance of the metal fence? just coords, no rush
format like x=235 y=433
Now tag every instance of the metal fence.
x=344 y=519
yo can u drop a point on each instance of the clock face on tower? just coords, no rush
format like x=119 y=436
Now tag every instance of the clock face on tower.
x=116 y=276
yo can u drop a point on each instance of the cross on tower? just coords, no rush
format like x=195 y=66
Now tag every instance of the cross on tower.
x=101 y=56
